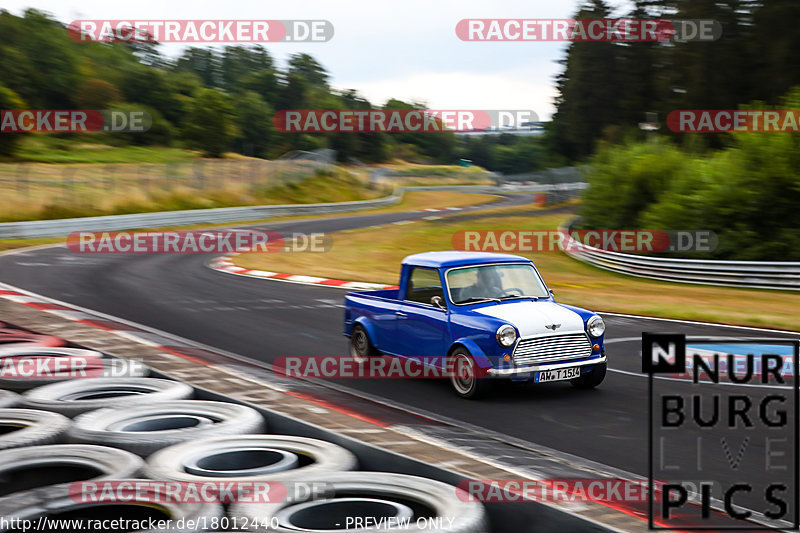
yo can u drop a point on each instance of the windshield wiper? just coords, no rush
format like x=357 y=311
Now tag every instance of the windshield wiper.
x=473 y=299
x=517 y=297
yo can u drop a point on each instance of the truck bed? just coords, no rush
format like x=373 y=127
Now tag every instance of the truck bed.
x=389 y=294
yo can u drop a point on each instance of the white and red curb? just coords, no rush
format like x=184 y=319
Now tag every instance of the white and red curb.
x=438 y=209
x=224 y=264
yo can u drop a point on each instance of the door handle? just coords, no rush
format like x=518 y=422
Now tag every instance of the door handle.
x=400 y=314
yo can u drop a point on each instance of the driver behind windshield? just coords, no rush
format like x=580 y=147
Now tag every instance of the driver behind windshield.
x=487 y=285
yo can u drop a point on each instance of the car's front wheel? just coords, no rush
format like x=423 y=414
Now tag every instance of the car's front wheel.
x=361 y=348
x=591 y=379
x=465 y=375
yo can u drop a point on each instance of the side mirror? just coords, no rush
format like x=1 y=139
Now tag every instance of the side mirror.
x=438 y=302
x=551 y=292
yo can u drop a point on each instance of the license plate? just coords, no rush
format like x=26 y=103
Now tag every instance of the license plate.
x=557 y=375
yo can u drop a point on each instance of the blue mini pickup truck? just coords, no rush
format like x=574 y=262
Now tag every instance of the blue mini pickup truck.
x=478 y=316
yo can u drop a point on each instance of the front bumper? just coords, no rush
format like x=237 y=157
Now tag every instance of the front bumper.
x=522 y=371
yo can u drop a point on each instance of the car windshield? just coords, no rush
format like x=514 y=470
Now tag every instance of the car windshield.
x=494 y=282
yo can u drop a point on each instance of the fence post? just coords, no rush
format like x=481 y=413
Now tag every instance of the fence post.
x=22 y=180
x=199 y=177
x=108 y=179
x=67 y=184
x=171 y=175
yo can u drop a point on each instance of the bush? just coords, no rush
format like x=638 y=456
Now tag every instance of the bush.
x=748 y=194
x=626 y=180
x=8 y=141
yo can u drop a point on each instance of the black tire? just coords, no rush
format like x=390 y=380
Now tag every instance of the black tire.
x=361 y=348
x=144 y=429
x=30 y=427
x=591 y=379
x=19 y=383
x=464 y=378
x=32 y=467
x=251 y=457
x=56 y=502
x=77 y=396
x=8 y=398
x=419 y=495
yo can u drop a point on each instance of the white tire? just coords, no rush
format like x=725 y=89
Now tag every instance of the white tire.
x=32 y=467
x=29 y=427
x=250 y=457
x=8 y=398
x=145 y=429
x=77 y=396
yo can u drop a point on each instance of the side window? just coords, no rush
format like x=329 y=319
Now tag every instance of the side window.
x=423 y=284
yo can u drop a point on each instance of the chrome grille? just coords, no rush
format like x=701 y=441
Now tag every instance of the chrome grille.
x=551 y=348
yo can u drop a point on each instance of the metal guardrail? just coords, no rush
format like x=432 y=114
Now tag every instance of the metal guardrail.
x=750 y=274
x=221 y=215
x=65 y=226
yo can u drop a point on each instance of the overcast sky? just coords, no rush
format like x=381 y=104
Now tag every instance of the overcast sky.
x=406 y=50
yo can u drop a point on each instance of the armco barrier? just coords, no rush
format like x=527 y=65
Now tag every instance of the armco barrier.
x=751 y=274
x=63 y=227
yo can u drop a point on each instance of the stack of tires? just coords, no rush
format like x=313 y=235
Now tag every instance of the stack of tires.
x=58 y=438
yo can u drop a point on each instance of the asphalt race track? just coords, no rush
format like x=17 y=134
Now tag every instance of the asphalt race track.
x=263 y=320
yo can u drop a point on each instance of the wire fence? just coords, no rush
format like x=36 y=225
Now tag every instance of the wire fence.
x=30 y=189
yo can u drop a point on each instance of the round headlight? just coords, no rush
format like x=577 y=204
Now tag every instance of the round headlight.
x=596 y=326
x=506 y=335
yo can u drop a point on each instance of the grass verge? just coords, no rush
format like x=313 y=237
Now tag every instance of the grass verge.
x=374 y=255
x=46 y=148
x=410 y=174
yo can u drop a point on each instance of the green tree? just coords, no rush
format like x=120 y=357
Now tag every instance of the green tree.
x=9 y=100
x=307 y=67
x=776 y=47
x=51 y=63
x=209 y=125
x=150 y=86
x=588 y=91
x=237 y=62
x=254 y=123
x=264 y=83
x=97 y=94
x=204 y=63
